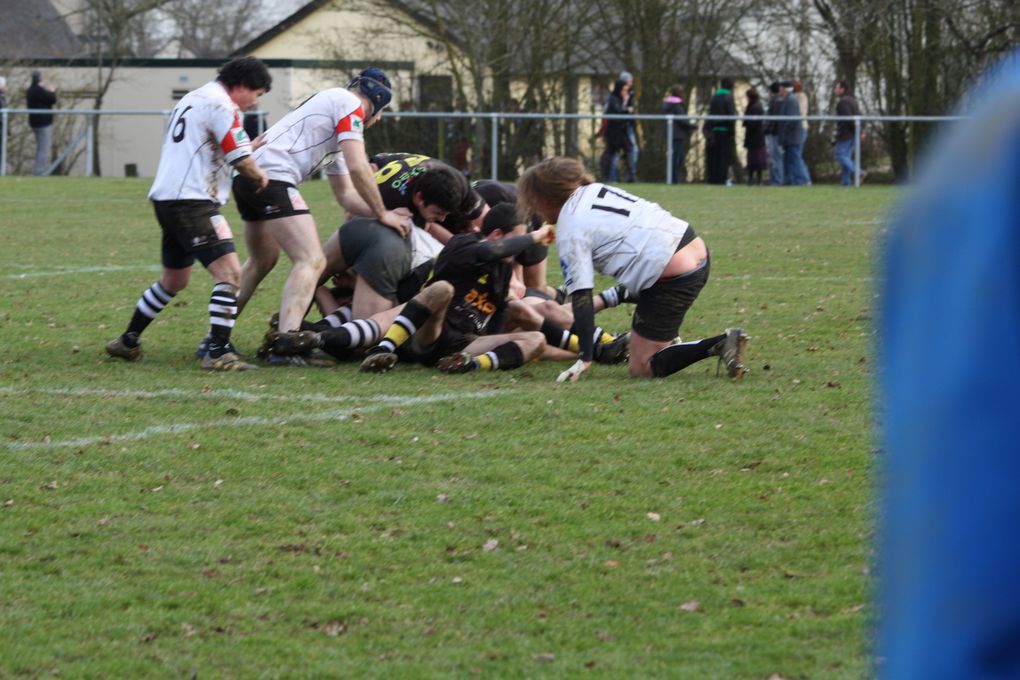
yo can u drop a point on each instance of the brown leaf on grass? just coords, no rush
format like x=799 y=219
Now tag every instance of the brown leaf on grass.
x=335 y=628
x=156 y=489
x=396 y=412
x=456 y=580
x=776 y=676
x=357 y=417
x=654 y=516
x=856 y=609
x=9 y=503
x=188 y=630
x=473 y=435
x=49 y=486
x=149 y=637
x=612 y=564
x=544 y=658
x=737 y=602
x=603 y=636
x=490 y=545
x=589 y=664
x=697 y=522
x=650 y=538
x=692 y=606
x=217 y=484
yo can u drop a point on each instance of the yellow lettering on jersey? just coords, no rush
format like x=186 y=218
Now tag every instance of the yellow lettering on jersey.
x=387 y=171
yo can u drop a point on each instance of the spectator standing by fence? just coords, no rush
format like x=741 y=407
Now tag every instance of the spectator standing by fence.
x=3 y=105
x=775 y=150
x=675 y=105
x=41 y=96
x=846 y=107
x=791 y=138
x=617 y=139
x=803 y=176
x=632 y=137
x=719 y=153
x=754 y=139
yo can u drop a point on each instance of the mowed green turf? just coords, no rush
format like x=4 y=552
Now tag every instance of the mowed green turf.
x=159 y=521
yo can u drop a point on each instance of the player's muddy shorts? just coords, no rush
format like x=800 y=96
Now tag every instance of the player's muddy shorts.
x=278 y=199
x=376 y=253
x=192 y=230
x=660 y=309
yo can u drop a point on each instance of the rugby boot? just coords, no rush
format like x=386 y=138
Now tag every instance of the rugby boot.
x=730 y=351
x=461 y=362
x=378 y=362
x=615 y=351
x=119 y=349
x=228 y=361
x=293 y=342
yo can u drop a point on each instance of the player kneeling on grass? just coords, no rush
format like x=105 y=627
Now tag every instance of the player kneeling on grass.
x=204 y=139
x=644 y=248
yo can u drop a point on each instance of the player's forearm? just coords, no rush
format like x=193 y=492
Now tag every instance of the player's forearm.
x=364 y=182
x=248 y=167
x=583 y=305
x=347 y=197
x=490 y=251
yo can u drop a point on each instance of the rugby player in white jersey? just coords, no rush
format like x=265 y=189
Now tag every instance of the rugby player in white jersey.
x=643 y=247
x=326 y=129
x=204 y=139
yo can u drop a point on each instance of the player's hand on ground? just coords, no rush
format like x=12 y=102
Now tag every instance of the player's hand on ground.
x=397 y=222
x=574 y=372
x=545 y=235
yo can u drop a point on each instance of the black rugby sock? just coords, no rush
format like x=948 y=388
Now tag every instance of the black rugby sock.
x=669 y=360
x=151 y=303
x=222 y=313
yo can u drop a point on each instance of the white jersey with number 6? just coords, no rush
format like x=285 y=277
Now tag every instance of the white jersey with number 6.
x=204 y=138
x=309 y=137
x=607 y=229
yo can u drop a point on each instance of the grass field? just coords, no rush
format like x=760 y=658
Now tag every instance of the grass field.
x=160 y=521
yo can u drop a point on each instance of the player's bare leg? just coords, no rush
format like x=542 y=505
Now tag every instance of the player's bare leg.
x=298 y=237
x=490 y=352
x=420 y=320
x=263 y=252
x=367 y=302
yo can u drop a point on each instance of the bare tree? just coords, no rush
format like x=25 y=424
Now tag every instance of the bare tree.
x=110 y=25
x=204 y=29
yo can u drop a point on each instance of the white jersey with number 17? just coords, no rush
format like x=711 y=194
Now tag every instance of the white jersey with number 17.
x=204 y=138
x=607 y=229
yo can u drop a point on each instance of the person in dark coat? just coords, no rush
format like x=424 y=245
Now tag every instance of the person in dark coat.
x=675 y=105
x=617 y=139
x=754 y=139
x=41 y=96
x=719 y=151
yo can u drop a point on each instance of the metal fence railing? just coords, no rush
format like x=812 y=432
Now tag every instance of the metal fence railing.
x=504 y=141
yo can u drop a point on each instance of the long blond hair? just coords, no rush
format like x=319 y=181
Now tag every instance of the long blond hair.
x=549 y=184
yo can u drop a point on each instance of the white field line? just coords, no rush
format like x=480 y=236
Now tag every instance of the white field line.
x=212 y=393
x=64 y=271
x=251 y=421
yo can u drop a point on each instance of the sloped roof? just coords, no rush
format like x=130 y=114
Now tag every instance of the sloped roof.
x=34 y=29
